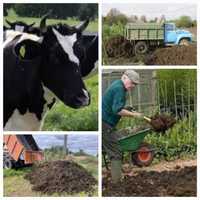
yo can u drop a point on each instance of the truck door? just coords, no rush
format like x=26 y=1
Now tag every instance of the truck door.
x=170 y=33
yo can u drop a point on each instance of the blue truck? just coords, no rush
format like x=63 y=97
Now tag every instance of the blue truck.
x=142 y=36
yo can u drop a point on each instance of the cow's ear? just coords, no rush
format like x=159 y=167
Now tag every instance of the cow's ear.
x=28 y=50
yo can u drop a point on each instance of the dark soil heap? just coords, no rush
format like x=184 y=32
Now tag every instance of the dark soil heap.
x=161 y=123
x=118 y=46
x=61 y=176
x=176 y=55
x=179 y=182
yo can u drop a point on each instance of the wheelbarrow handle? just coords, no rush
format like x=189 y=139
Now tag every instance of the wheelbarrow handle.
x=147 y=119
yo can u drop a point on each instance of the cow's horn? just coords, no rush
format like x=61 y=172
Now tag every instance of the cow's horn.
x=43 y=26
x=82 y=26
x=9 y=23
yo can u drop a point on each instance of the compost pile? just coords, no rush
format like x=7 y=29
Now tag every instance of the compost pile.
x=178 y=182
x=118 y=46
x=176 y=55
x=162 y=122
x=61 y=176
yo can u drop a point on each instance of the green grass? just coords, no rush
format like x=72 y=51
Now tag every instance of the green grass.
x=12 y=16
x=64 y=118
x=89 y=164
x=15 y=172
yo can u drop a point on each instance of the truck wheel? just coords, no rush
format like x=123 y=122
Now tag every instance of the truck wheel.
x=144 y=155
x=141 y=47
x=184 y=42
x=7 y=164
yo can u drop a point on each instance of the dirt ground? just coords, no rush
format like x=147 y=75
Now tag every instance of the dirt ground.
x=175 y=55
x=177 y=178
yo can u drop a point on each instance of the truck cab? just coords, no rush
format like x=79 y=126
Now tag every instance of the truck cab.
x=174 y=36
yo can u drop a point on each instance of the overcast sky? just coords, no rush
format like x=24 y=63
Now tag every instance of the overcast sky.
x=151 y=11
x=88 y=143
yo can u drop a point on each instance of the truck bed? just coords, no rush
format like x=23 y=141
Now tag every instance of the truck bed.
x=22 y=146
x=144 y=31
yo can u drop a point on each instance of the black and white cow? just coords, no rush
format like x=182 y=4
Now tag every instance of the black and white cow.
x=36 y=69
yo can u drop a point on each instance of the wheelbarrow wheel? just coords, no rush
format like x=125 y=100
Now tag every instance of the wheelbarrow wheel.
x=144 y=155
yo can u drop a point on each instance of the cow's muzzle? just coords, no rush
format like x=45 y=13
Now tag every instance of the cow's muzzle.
x=80 y=100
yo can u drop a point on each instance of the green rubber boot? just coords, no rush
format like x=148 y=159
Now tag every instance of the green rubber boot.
x=116 y=170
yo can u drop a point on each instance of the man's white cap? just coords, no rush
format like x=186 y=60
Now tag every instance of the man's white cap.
x=133 y=76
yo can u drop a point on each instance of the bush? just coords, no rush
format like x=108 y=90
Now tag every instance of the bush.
x=80 y=153
x=114 y=30
x=54 y=153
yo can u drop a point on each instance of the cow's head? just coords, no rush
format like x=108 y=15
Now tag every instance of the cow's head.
x=19 y=26
x=63 y=53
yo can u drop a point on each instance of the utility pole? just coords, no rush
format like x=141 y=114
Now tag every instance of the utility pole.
x=65 y=145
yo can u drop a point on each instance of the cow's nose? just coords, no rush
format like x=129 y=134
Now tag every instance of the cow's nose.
x=84 y=98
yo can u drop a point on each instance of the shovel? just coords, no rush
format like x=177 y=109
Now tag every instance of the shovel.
x=147 y=119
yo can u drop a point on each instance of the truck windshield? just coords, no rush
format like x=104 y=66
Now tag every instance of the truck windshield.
x=169 y=27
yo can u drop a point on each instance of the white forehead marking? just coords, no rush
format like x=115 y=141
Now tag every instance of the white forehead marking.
x=19 y=28
x=27 y=36
x=11 y=34
x=67 y=43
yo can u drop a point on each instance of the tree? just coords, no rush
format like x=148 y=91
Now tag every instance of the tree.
x=6 y=7
x=133 y=18
x=115 y=17
x=88 y=10
x=184 y=21
x=162 y=19
x=143 y=18
x=113 y=12
x=61 y=11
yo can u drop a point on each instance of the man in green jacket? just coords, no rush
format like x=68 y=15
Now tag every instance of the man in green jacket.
x=113 y=103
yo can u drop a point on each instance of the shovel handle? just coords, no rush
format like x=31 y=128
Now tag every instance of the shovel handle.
x=147 y=119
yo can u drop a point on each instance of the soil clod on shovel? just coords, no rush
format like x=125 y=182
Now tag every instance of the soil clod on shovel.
x=61 y=176
x=162 y=122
